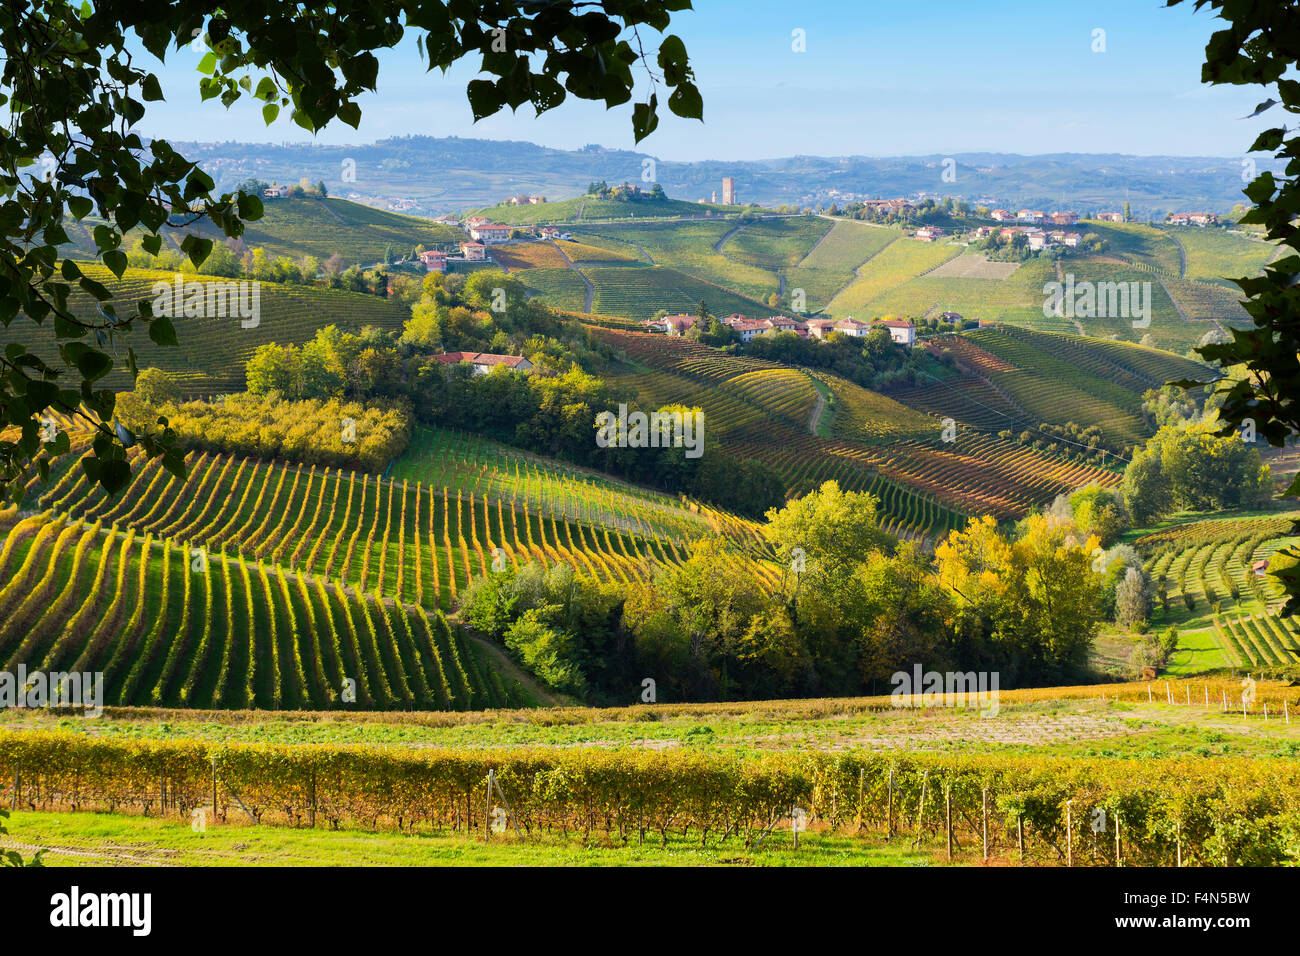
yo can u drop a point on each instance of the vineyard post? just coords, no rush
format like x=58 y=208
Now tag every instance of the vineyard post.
x=1265 y=711
x=1169 y=693
x=1020 y=835
x=920 y=810
x=889 y=833
x=312 y=787
x=18 y=767
x=984 y=801
x=947 y=813
x=1178 y=842
x=1118 y=859
x=1225 y=700
x=487 y=826
x=862 y=772
x=1149 y=698
x=214 y=787
x=1069 y=834
x=1286 y=712
x=1188 y=688
x=1207 y=696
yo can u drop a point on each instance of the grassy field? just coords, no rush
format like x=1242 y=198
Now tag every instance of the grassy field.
x=638 y=292
x=898 y=262
x=1217 y=255
x=588 y=208
x=776 y=244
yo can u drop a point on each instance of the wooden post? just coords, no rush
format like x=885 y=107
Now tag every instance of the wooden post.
x=214 y=787
x=947 y=812
x=1265 y=711
x=920 y=811
x=312 y=785
x=862 y=772
x=1225 y=700
x=1118 y=861
x=18 y=767
x=487 y=826
x=1069 y=834
x=1207 y=696
x=890 y=832
x=1169 y=693
x=1149 y=698
x=985 y=801
x=1178 y=842
x=1020 y=835
x=1188 y=688
x=1286 y=712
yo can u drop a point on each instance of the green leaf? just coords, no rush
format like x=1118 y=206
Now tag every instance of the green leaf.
x=150 y=89
x=93 y=364
x=80 y=206
x=644 y=118
x=208 y=65
x=269 y=112
x=162 y=332
x=115 y=259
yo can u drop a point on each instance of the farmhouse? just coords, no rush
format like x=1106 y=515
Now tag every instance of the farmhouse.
x=434 y=261
x=473 y=251
x=671 y=324
x=1064 y=218
x=490 y=232
x=1030 y=215
x=1201 y=219
x=1000 y=215
x=448 y=220
x=1110 y=216
x=929 y=233
x=901 y=331
x=852 y=328
x=748 y=328
x=474 y=221
x=484 y=362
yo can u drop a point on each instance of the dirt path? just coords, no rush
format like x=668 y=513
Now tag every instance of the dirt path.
x=591 y=289
x=819 y=407
x=717 y=246
x=508 y=668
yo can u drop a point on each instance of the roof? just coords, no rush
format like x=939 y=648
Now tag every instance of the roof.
x=895 y=323
x=480 y=358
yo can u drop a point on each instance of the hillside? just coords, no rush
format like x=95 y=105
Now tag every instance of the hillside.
x=212 y=352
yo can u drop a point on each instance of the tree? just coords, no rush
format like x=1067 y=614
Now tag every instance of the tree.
x=153 y=386
x=1260 y=46
x=74 y=97
x=1133 y=600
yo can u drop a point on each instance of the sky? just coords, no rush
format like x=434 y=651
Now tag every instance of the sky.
x=875 y=78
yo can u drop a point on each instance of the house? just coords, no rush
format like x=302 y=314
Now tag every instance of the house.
x=852 y=328
x=548 y=232
x=749 y=328
x=1038 y=241
x=1000 y=215
x=484 y=362
x=490 y=232
x=1260 y=568
x=953 y=317
x=929 y=233
x=276 y=192
x=434 y=261
x=448 y=220
x=671 y=324
x=1064 y=218
x=1110 y=216
x=473 y=221
x=820 y=328
x=1030 y=215
x=473 y=251
x=900 y=330
x=783 y=323
x=1070 y=239
x=1201 y=219
x=983 y=232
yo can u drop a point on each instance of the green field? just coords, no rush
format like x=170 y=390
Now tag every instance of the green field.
x=638 y=292
x=895 y=264
x=591 y=208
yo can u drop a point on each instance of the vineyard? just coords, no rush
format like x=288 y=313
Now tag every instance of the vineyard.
x=775 y=244
x=172 y=623
x=892 y=266
x=638 y=292
x=1227 y=811
x=830 y=265
x=1204 y=577
x=212 y=352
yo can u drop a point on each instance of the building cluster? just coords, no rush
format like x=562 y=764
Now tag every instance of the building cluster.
x=1065 y=218
x=1038 y=239
x=901 y=331
x=1201 y=219
x=484 y=362
x=522 y=200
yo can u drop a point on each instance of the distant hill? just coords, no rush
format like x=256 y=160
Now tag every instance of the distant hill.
x=430 y=175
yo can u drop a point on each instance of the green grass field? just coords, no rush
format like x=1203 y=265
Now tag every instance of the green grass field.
x=897 y=263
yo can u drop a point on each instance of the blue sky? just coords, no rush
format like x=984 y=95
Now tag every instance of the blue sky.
x=877 y=79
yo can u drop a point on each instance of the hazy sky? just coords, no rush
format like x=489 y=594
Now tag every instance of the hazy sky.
x=877 y=78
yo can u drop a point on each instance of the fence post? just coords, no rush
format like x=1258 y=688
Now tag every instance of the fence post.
x=890 y=832
x=1069 y=834
x=984 y=800
x=947 y=812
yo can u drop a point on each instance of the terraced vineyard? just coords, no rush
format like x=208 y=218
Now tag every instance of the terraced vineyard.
x=775 y=244
x=560 y=288
x=421 y=539
x=830 y=265
x=688 y=247
x=638 y=292
x=212 y=352
x=1217 y=255
x=1204 y=569
x=171 y=624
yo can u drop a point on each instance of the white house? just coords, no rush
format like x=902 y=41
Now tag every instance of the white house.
x=490 y=233
x=484 y=362
x=902 y=332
